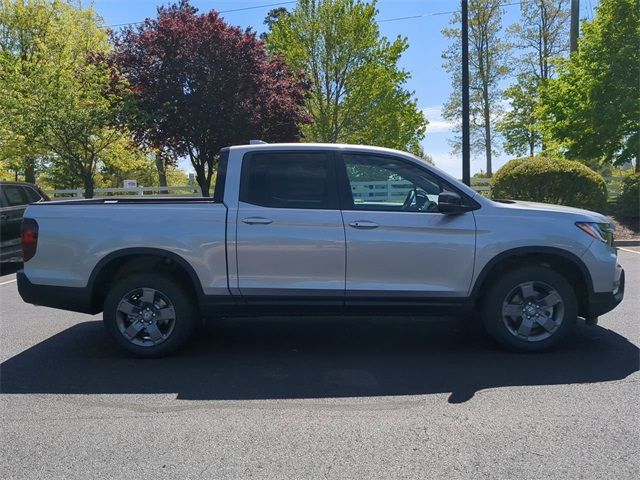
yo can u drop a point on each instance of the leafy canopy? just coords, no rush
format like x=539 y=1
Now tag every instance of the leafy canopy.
x=488 y=66
x=55 y=100
x=519 y=125
x=591 y=112
x=198 y=84
x=539 y=38
x=358 y=93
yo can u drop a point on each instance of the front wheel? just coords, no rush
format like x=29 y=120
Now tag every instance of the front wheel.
x=149 y=315
x=530 y=309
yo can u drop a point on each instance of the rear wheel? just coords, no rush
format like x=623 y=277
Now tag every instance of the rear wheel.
x=530 y=309
x=149 y=315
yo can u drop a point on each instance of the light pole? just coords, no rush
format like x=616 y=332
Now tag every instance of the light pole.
x=466 y=154
x=574 y=30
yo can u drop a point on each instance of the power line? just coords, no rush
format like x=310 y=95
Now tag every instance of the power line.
x=255 y=7
x=395 y=19
x=441 y=13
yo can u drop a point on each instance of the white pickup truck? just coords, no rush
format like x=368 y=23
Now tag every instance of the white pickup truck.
x=315 y=229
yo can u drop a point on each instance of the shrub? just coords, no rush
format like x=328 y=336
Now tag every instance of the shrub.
x=550 y=180
x=628 y=203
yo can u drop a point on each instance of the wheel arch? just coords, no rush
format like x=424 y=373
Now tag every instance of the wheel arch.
x=139 y=259
x=564 y=262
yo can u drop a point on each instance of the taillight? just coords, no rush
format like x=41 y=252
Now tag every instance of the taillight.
x=29 y=238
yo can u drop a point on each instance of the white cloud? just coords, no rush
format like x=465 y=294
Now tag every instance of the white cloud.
x=437 y=123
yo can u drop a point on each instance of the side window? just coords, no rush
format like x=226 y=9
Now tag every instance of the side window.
x=388 y=184
x=32 y=195
x=15 y=195
x=289 y=180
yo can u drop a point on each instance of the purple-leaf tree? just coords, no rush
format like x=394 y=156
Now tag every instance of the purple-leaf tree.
x=198 y=84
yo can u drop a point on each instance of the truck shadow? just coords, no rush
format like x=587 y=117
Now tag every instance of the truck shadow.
x=314 y=358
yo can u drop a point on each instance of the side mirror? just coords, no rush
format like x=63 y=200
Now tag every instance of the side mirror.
x=450 y=202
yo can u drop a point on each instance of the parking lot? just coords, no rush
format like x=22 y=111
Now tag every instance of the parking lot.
x=318 y=398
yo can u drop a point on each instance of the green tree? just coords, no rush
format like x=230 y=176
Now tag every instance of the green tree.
x=22 y=26
x=591 y=111
x=53 y=96
x=358 y=93
x=273 y=17
x=540 y=37
x=518 y=126
x=488 y=66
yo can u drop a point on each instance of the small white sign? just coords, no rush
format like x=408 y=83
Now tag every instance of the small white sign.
x=130 y=184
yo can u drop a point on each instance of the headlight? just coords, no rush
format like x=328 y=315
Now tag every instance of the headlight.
x=599 y=231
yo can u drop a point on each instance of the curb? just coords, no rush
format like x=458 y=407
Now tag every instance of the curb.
x=627 y=243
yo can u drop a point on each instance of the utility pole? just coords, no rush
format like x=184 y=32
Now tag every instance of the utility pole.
x=466 y=154
x=575 y=25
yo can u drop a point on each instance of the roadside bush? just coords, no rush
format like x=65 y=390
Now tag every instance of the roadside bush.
x=550 y=180
x=628 y=203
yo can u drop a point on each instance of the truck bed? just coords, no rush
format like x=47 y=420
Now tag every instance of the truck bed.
x=74 y=235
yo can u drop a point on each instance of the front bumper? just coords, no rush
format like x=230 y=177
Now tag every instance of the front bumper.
x=601 y=303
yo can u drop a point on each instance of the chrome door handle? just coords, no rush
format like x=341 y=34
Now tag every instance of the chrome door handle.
x=257 y=221
x=363 y=224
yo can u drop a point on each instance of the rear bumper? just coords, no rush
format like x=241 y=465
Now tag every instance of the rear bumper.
x=65 y=298
x=601 y=303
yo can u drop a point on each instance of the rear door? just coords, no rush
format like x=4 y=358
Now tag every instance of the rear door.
x=15 y=202
x=290 y=236
x=398 y=245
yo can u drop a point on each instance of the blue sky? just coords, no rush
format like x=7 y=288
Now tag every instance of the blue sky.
x=429 y=81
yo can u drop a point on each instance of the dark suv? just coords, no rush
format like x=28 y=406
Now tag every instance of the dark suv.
x=14 y=198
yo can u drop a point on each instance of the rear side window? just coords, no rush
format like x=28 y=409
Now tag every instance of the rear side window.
x=32 y=194
x=221 y=176
x=15 y=195
x=303 y=180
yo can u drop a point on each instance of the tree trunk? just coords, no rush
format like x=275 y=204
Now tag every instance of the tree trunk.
x=205 y=186
x=30 y=170
x=162 y=171
x=487 y=129
x=532 y=146
x=487 y=148
x=203 y=182
x=88 y=185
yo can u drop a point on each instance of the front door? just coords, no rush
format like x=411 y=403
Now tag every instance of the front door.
x=290 y=236
x=398 y=244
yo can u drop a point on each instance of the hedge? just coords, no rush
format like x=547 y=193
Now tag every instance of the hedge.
x=628 y=202
x=550 y=180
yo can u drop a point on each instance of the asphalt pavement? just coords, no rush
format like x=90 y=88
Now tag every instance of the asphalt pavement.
x=317 y=398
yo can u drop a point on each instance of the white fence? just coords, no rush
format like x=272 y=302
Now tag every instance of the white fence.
x=391 y=190
x=189 y=190
x=382 y=191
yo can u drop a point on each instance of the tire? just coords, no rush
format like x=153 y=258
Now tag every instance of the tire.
x=149 y=315
x=530 y=309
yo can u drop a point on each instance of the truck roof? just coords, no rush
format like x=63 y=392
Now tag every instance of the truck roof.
x=317 y=146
